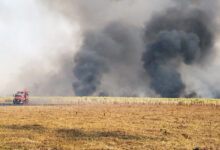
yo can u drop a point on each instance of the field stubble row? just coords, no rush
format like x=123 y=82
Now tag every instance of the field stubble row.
x=125 y=124
x=114 y=100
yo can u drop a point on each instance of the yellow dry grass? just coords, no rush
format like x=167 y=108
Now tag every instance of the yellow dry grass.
x=111 y=126
x=115 y=100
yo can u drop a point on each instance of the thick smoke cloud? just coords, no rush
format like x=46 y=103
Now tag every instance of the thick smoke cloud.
x=184 y=34
x=181 y=35
x=162 y=57
x=88 y=70
x=122 y=48
x=115 y=44
x=125 y=48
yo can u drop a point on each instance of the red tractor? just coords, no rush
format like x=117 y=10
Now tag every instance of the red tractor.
x=21 y=97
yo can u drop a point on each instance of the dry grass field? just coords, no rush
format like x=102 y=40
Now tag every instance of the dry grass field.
x=130 y=124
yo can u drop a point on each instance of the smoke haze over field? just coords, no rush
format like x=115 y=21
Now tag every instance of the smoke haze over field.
x=182 y=34
x=163 y=48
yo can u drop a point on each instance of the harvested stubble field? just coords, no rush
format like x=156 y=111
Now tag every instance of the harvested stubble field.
x=112 y=124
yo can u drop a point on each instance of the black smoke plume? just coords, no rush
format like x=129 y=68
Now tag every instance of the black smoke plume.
x=181 y=35
x=104 y=50
x=125 y=48
x=89 y=68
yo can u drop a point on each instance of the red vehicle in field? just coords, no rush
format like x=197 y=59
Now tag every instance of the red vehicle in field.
x=21 y=97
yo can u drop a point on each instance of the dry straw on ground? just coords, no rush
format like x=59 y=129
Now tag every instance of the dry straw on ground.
x=115 y=125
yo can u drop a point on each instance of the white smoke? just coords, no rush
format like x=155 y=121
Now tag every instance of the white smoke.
x=30 y=43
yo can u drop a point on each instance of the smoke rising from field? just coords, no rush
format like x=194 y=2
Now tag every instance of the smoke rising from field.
x=111 y=49
x=115 y=44
x=180 y=35
x=130 y=48
x=184 y=34
x=169 y=45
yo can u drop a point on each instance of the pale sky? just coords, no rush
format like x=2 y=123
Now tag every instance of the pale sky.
x=28 y=31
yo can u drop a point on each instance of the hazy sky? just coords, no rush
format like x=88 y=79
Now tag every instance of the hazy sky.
x=28 y=31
